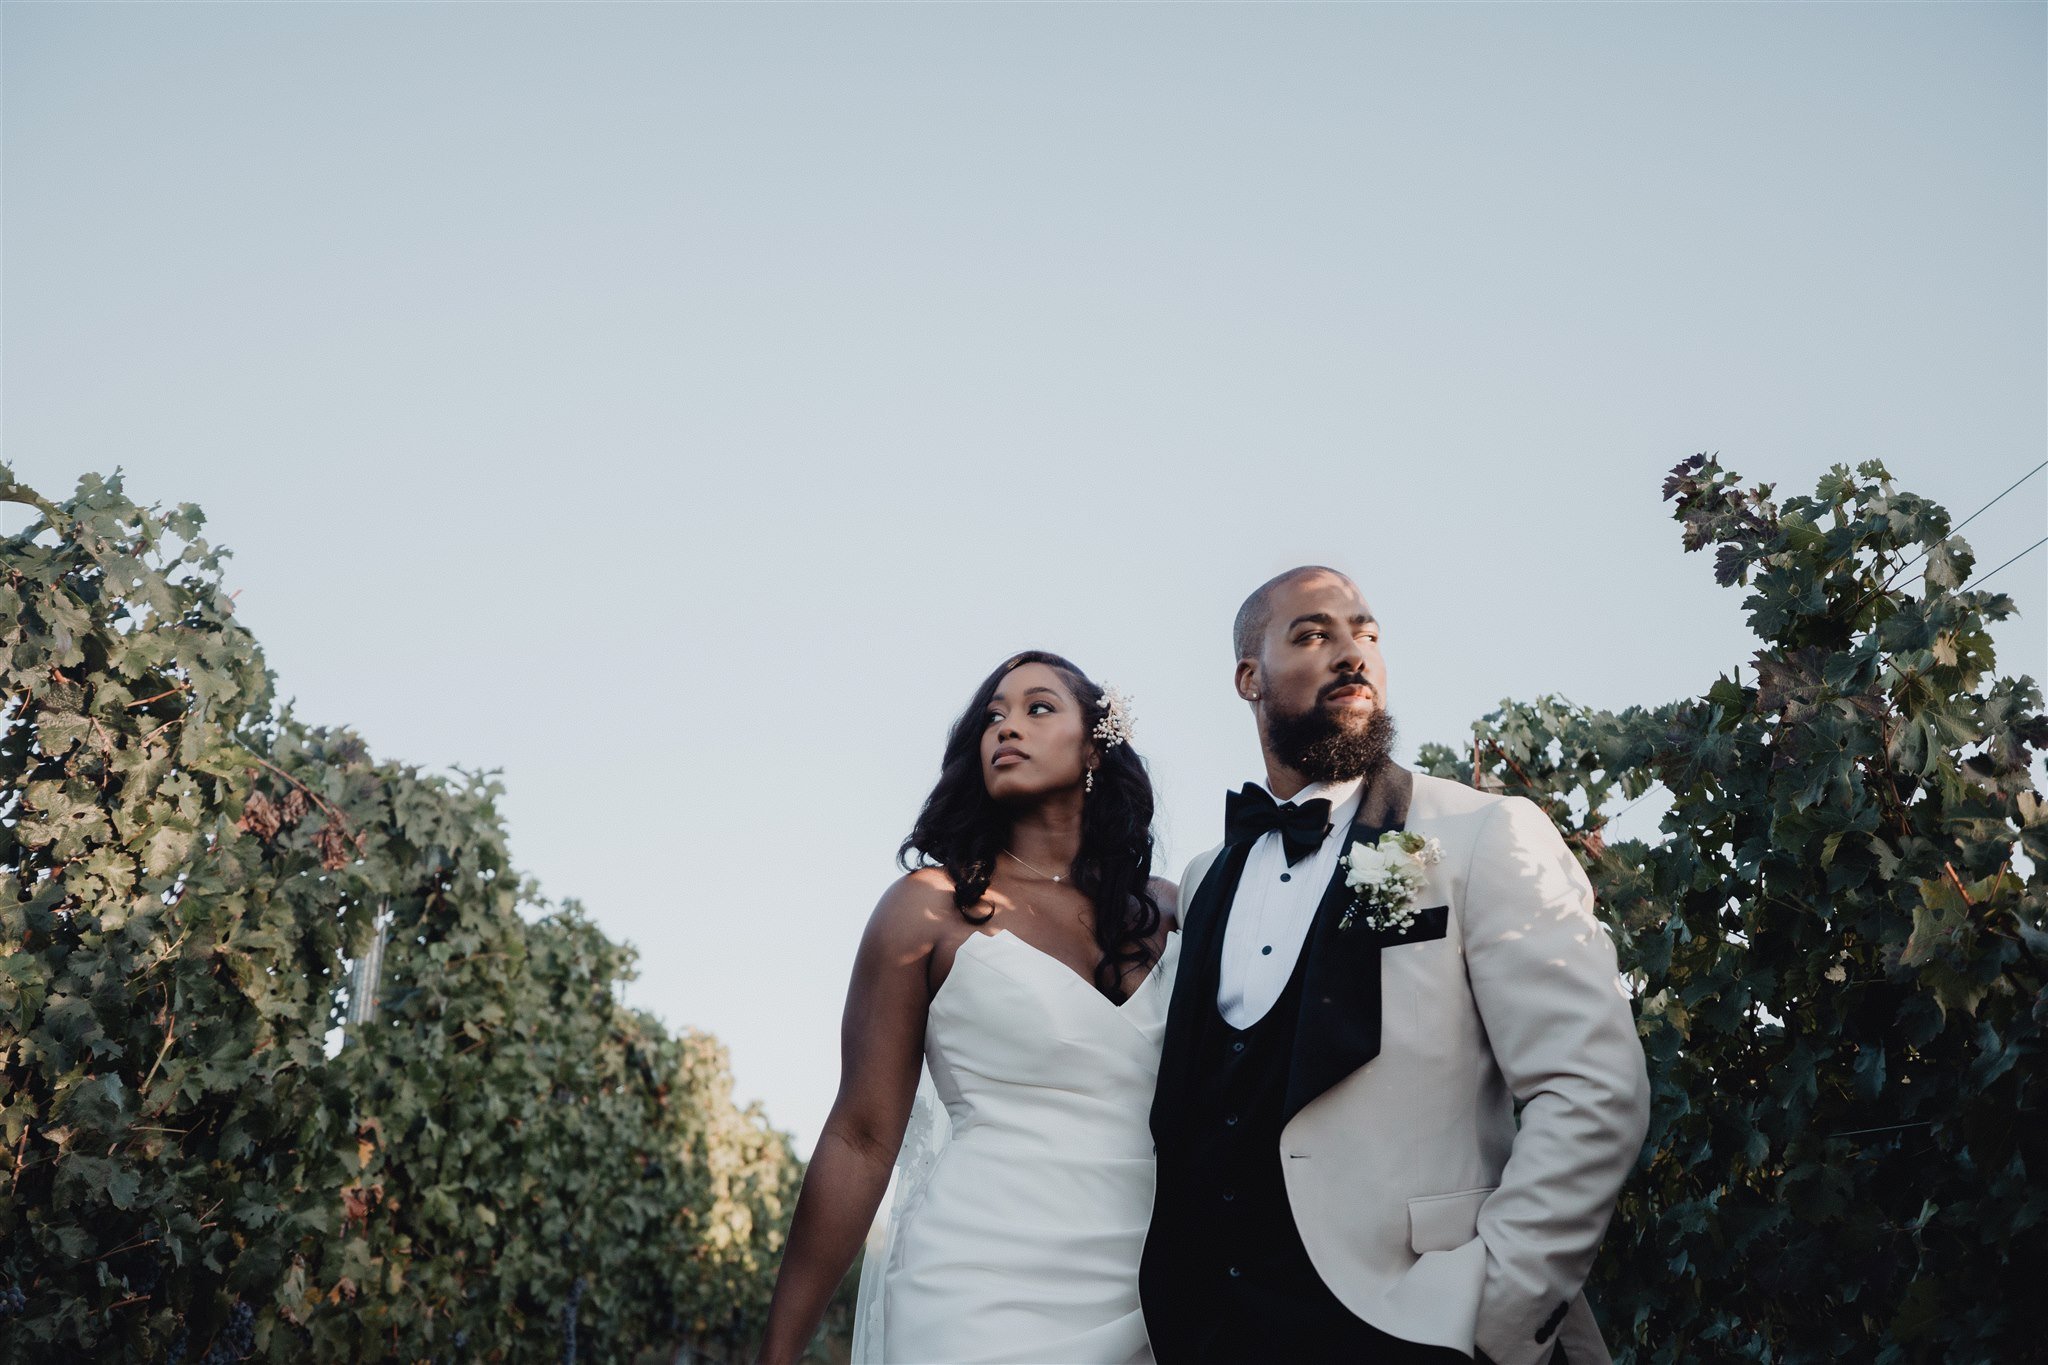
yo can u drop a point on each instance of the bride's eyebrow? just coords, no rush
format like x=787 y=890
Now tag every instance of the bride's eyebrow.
x=999 y=699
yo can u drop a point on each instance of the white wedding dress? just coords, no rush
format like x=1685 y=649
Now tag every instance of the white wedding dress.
x=1023 y=1194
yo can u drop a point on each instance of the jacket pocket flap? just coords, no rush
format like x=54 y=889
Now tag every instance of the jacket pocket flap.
x=1428 y=926
x=1440 y=1222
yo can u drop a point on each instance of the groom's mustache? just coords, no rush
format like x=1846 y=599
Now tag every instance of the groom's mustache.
x=1346 y=680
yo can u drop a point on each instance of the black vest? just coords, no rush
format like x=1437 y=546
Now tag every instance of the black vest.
x=1223 y=1251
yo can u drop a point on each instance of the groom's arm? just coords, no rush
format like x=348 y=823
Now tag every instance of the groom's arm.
x=1543 y=974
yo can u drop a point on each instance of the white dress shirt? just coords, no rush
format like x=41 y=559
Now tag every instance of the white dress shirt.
x=1275 y=904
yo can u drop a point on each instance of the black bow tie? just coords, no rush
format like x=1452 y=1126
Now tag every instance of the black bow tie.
x=1252 y=812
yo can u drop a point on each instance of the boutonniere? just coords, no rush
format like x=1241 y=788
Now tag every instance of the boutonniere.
x=1385 y=878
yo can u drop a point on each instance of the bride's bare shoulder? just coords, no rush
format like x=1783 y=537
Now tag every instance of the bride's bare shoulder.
x=915 y=907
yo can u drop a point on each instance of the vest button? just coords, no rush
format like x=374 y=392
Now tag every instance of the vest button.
x=1235 y=1272
x=1230 y=1122
x=1229 y=1196
x=1237 y=1047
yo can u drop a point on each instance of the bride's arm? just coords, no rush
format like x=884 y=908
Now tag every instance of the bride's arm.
x=881 y=1046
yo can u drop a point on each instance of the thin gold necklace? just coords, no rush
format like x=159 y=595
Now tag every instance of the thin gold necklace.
x=1047 y=875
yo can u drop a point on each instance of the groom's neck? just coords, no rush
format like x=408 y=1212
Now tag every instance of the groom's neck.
x=1282 y=780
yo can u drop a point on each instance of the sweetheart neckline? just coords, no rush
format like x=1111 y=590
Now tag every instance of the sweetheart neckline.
x=1062 y=967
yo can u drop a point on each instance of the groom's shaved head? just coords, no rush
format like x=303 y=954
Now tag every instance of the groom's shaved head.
x=1249 y=630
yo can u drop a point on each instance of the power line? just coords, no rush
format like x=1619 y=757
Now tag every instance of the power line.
x=1967 y=520
x=1633 y=804
x=2016 y=558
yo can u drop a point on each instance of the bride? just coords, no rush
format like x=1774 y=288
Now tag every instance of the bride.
x=1021 y=960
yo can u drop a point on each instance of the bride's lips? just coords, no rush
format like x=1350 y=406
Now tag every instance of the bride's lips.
x=1008 y=752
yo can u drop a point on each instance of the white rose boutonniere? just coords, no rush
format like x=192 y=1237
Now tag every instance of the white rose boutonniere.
x=1385 y=878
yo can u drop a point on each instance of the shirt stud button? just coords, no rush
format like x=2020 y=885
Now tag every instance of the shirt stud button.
x=1286 y=876
x=1265 y=950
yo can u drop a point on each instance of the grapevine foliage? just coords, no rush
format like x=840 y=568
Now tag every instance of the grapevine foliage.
x=505 y=1163
x=1836 y=946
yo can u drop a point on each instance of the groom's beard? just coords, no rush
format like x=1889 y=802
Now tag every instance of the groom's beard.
x=1323 y=748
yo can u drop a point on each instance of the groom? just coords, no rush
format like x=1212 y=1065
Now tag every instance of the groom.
x=1341 y=1174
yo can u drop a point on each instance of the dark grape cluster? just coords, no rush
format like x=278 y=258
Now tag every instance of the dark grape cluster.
x=176 y=1354
x=569 y=1322
x=12 y=1301
x=142 y=1272
x=236 y=1340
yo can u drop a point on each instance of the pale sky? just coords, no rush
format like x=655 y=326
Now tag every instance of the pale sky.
x=682 y=407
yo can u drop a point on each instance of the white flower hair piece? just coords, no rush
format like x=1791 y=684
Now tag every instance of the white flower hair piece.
x=1118 y=716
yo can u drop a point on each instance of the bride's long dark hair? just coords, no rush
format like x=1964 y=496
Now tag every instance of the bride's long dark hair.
x=963 y=830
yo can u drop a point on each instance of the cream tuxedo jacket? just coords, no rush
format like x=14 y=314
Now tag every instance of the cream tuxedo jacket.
x=1424 y=1208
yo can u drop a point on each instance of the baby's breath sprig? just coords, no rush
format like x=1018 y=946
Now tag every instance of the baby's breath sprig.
x=1118 y=716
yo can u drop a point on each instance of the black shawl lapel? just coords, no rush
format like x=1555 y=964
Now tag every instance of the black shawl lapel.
x=1194 y=986
x=1339 y=1027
